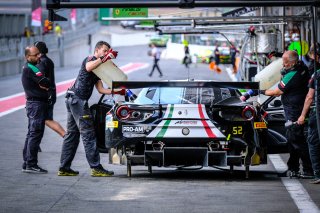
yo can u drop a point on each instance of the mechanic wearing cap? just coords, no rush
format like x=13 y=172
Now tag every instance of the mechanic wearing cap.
x=80 y=121
x=313 y=138
x=46 y=66
x=36 y=88
x=293 y=89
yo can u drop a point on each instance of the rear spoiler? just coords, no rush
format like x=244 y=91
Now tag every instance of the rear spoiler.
x=145 y=84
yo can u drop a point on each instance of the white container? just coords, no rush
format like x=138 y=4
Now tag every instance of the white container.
x=109 y=72
x=270 y=75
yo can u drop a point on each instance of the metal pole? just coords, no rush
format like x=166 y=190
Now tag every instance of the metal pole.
x=314 y=34
x=283 y=28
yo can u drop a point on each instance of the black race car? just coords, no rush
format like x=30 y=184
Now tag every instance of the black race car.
x=189 y=124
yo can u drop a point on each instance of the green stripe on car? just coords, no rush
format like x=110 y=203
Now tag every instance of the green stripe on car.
x=166 y=124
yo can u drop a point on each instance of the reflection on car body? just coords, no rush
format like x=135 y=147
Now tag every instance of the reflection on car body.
x=182 y=124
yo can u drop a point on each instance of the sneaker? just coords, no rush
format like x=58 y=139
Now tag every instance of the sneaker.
x=67 y=172
x=35 y=169
x=294 y=174
x=307 y=175
x=101 y=172
x=24 y=166
x=315 y=181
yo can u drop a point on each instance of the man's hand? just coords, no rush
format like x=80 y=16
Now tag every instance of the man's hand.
x=111 y=54
x=300 y=120
x=120 y=92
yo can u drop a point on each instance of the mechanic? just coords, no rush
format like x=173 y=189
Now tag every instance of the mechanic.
x=155 y=53
x=312 y=139
x=80 y=121
x=312 y=58
x=46 y=66
x=293 y=89
x=36 y=88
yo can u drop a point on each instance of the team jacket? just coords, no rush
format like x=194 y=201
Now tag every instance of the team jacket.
x=31 y=79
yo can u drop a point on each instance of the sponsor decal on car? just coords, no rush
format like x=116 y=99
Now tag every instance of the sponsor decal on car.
x=260 y=125
x=134 y=129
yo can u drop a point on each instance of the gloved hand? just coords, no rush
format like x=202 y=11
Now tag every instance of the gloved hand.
x=111 y=54
x=120 y=92
x=251 y=93
x=248 y=94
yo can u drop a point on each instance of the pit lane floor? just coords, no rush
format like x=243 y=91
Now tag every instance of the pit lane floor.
x=166 y=190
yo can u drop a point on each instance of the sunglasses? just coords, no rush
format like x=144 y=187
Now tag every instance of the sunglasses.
x=35 y=54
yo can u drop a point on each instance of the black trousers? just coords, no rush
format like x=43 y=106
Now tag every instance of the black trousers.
x=298 y=149
x=36 y=113
x=155 y=65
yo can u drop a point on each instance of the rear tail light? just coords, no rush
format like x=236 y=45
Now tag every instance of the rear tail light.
x=123 y=112
x=248 y=112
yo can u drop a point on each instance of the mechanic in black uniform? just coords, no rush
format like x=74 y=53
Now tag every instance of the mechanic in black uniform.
x=293 y=88
x=46 y=66
x=313 y=138
x=36 y=88
x=80 y=121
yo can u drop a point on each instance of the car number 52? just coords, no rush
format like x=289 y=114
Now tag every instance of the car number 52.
x=237 y=130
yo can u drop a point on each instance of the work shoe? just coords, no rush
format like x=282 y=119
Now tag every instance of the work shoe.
x=307 y=175
x=24 y=166
x=101 y=172
x=294 y=174
x=67 y=172
x=35 y=169
x=315 y=181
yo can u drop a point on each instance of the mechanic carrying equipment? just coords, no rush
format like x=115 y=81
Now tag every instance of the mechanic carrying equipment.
x=46 y=67
x=36 y=88
x=80 y=120
x=293 y=89
x=313 y=138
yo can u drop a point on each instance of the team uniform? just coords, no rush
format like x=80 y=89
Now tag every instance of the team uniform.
x=80 y=121
x=294 y=87
x=313 y=139
x=36 y=107
x=46 y=66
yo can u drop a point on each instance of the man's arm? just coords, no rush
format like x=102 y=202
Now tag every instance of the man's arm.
x=91 y=65
x=306 y=106
x=102 y=90
x=273 y=92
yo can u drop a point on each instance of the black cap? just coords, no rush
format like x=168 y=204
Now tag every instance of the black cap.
x=42 y=47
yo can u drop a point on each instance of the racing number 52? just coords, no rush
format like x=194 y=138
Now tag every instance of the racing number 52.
x=237 y=130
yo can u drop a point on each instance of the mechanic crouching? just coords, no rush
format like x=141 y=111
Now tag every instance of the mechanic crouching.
x=80 y=121
x=293 y=88
x=36 y=88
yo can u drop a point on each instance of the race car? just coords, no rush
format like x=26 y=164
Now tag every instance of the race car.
x=187 y=124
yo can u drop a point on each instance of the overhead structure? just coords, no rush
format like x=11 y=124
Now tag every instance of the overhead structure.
x=58 y=4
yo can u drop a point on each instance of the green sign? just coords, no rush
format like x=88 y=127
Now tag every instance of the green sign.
x=130 y=12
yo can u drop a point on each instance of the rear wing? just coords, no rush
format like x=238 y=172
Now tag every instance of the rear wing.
x=216 y=84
